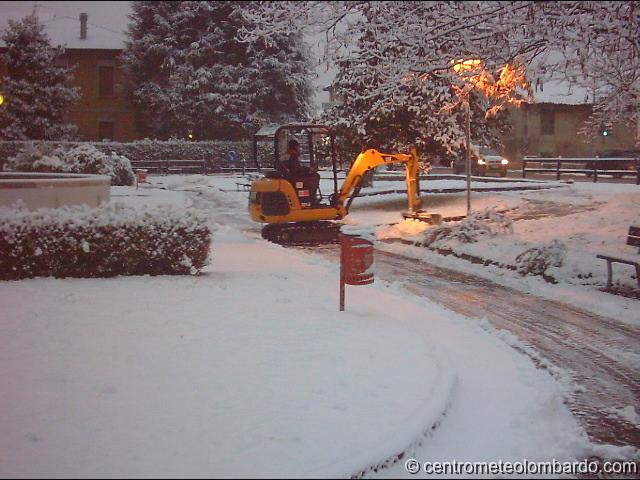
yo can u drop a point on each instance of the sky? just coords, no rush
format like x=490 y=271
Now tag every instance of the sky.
x=113 y=15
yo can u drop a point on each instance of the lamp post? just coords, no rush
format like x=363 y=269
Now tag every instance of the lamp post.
x=463 y=67
x=468 y=154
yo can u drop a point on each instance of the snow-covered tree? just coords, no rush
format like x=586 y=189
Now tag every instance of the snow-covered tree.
x=190 y=75
x=37 y=92
x=598 y=42
x=396 y=82
x=420 y=109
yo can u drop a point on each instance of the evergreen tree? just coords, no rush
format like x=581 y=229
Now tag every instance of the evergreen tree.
x=189 y=74
x=37 y=93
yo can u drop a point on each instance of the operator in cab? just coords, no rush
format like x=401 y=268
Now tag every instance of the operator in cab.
x=294 y=171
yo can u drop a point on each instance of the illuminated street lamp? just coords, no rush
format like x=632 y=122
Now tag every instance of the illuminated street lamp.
x=1 y=99
x=463 y=68
x=504 y=89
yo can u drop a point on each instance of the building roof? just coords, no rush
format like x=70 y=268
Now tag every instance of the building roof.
x=561 y=92
x=66 y=31
x=557 y=89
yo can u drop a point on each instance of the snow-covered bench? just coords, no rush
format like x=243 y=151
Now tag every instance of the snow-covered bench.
x=634 y=240
x=151 y=166
x=186 y=166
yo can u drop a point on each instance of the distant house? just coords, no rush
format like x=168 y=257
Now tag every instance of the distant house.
x=103 y=112
x=549 y=127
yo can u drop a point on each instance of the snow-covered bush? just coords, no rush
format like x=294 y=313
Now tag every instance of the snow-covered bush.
x=102 y=242
x=485 y=223
x=81 y=158
x=536 y=260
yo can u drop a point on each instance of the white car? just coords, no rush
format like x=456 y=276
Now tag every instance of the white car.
x=484 y=161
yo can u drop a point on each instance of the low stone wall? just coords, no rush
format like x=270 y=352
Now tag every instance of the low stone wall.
x=53 y=190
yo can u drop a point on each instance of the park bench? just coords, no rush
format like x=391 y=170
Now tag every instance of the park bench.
x=634 y=240
x=151 y=166
x=186 y=166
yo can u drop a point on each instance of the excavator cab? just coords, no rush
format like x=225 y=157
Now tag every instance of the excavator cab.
x=317 y=148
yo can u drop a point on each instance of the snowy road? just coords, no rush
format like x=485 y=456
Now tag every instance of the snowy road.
x=599 y=354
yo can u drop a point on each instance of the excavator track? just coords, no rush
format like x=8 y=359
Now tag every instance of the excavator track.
x=303 y=233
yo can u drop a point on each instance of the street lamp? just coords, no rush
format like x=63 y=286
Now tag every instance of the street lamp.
x=1 y=99
x=507 y=88
x=463 y=68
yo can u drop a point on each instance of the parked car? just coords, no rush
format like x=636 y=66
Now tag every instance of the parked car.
x=630 y=164
x=484 y=161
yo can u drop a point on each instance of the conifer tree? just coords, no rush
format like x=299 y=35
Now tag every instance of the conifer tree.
x=189 y=74
x=37 y=92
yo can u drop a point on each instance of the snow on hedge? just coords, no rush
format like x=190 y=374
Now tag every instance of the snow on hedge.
x=483 y=224
x=536 y=260
x=80 y=158
x=115 y=239
x=214 y=151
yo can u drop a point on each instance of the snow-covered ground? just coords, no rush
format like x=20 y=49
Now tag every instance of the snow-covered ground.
x=249 y=369
x=587 y=218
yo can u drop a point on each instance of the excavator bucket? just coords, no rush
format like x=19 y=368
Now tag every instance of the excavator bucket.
x=424 y=216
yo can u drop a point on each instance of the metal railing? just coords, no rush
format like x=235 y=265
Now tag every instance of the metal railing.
x=591 y=166
x=191 y=166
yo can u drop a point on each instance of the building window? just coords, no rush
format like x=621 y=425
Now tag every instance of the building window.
x=61 y=61
x=106 y=80
x=548 y=122
x=106 y=130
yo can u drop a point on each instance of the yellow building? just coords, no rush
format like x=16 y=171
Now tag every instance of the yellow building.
x=550 y=127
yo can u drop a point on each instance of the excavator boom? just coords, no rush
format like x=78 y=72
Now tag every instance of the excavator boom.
x=370 y=159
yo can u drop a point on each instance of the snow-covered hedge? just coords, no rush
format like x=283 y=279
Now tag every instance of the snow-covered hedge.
x=81 y=158
x=481 y=224
x=536 y=260
x=144 y=150
x=102 y=242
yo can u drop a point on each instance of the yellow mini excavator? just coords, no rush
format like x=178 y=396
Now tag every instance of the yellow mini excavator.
x=293 y=214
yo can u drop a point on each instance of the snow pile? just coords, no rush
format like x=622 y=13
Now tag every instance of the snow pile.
x=101 y=242
x=483 y=224
x=408 y=229
x=536 y=260
x=587 y=218
x=628 y=414
x=83 y=158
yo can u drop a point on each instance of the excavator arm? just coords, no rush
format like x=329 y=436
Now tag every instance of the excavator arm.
x=370 y=159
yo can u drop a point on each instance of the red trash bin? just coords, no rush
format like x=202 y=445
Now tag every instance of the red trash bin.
x=356 y=259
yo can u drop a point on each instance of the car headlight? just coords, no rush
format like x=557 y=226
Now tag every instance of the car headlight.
x=481 y=162
x=505 y=161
